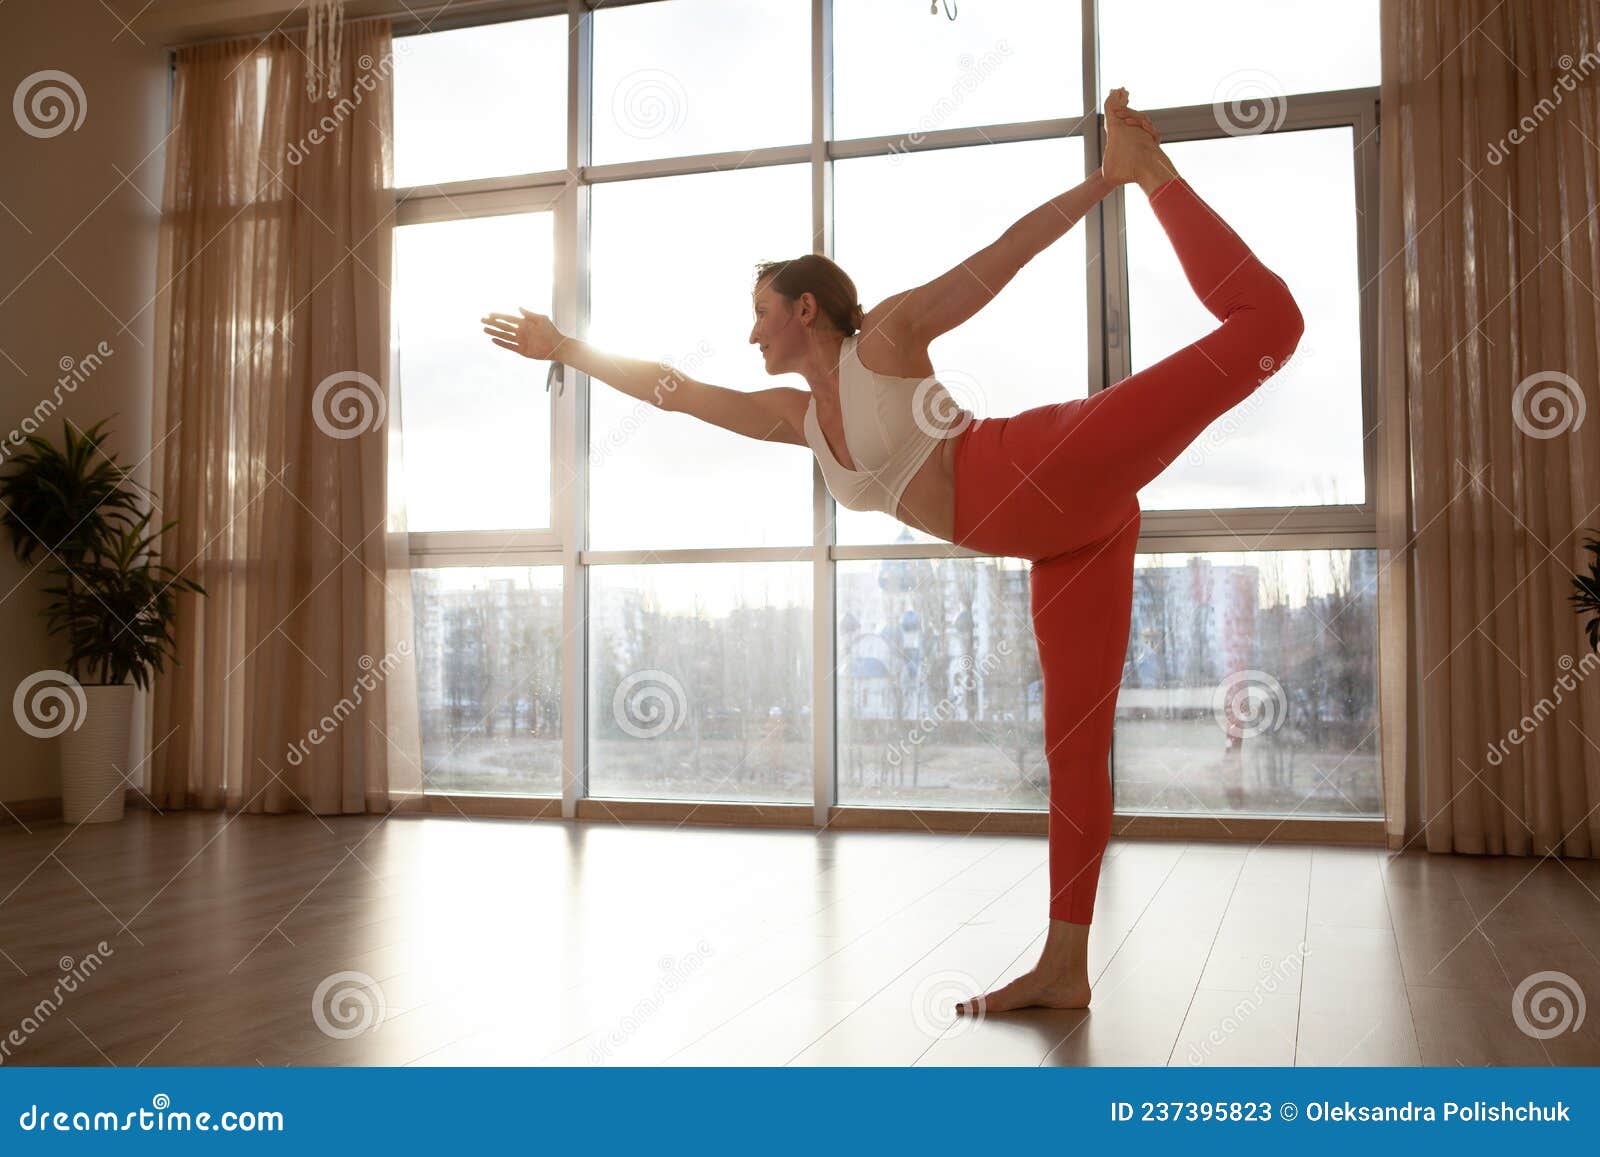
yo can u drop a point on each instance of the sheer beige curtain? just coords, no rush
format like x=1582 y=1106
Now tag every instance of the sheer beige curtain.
x=1491 y=251
x=278 y=426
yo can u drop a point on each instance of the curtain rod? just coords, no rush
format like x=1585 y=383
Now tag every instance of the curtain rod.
x=412 y=18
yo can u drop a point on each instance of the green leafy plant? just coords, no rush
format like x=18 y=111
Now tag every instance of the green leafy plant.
x=1586 y=593
x=114 y=600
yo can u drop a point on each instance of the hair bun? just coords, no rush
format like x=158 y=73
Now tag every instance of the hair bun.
x=858 y=318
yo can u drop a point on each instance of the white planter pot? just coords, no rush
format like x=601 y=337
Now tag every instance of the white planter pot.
x=95 y=757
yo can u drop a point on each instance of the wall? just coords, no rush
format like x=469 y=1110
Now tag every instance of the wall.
x=78 y=230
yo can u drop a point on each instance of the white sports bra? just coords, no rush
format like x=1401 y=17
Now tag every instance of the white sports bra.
x=891 y=425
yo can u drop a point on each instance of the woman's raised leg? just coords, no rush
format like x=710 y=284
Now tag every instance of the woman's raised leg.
x=1129 y=433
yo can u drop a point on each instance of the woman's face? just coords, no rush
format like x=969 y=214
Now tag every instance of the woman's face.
x=781 y=327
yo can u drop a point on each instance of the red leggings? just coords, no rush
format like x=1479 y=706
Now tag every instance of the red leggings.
x=1058 y=485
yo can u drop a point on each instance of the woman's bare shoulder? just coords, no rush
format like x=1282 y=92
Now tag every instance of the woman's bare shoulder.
x=888 y=343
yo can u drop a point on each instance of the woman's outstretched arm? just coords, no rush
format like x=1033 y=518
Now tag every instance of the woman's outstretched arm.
x=767 y=415
x=951 y=298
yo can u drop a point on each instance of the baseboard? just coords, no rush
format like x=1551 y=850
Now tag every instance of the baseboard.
x=42 y=809
x=1244 y=829
x=47 y=808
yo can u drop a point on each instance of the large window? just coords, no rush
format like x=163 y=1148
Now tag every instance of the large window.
x=452 y=93
x=1001 y=61
x=1291 y=197
x=700 y=76
x=672 y=261
x=489 y=678
x=689 y=566
x=1251 y=685
x=903 y=219
x=938 y=685
x=476 y=421
x=1244 y=57
x=700 y=681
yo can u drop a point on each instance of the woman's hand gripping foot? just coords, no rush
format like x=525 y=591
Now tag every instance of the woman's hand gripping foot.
x=1133 y=146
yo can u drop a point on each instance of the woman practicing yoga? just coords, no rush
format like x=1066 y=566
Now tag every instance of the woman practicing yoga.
x=1056 y=484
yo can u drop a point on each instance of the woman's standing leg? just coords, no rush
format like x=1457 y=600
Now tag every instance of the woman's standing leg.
x=1082 y=606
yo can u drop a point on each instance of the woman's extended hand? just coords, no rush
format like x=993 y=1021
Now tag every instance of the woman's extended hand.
x=533 y=335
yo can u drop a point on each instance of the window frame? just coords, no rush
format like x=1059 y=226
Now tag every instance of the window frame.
x=566 y=192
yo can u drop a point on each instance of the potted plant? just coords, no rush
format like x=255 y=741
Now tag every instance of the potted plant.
x=1585 y=594
x=113 y=600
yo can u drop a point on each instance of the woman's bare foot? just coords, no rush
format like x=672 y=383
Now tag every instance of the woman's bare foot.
x=1035 y=989
x=1059 y=980
x=1133 y=147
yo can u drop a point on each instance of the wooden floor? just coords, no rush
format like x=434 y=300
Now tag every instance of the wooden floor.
x=517 y=942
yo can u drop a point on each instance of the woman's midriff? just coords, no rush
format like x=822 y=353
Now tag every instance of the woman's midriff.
x=929 y=499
